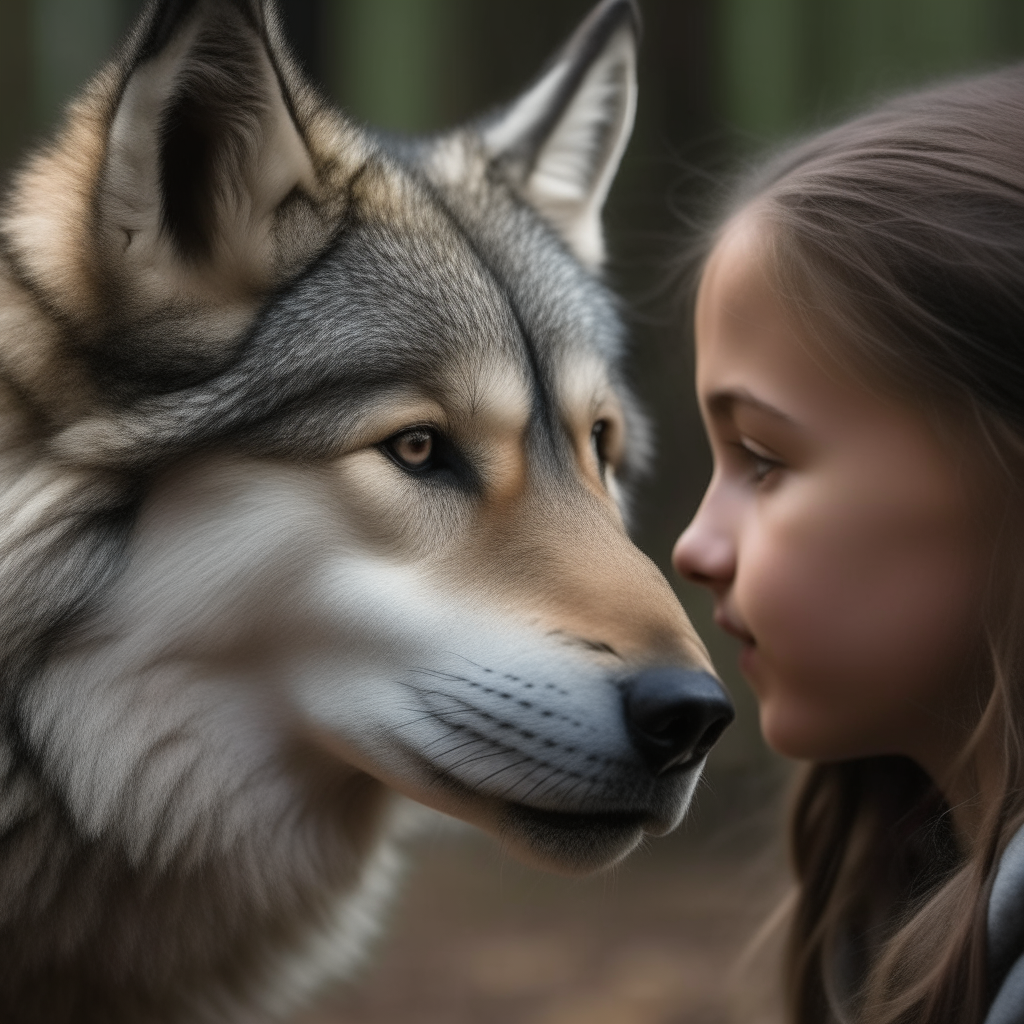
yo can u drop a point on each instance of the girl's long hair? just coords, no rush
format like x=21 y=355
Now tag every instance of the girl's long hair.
x=898 y=238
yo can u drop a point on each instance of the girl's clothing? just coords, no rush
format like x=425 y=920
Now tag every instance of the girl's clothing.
x=1006 y=936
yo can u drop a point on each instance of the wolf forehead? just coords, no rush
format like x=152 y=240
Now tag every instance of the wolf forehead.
x=431 y=288
x=413 y=287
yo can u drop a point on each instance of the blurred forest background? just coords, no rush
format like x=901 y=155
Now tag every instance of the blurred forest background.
x=477 y=939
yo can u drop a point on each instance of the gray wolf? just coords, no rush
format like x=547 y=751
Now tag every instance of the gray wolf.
x=313 y=456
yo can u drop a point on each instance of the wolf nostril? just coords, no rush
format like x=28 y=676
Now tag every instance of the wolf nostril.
x=675 y=715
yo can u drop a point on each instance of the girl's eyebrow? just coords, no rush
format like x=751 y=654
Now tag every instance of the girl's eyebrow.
x=722 y=403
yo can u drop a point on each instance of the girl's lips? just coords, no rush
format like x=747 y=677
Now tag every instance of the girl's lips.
x=725 y=621
x=747 y=661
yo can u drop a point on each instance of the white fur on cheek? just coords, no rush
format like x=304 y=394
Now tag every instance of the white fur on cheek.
x=251 y=624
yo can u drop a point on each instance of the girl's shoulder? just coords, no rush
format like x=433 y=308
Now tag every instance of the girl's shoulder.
x=1006 y=936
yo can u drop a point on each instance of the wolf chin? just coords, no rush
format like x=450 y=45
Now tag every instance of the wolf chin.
x=312 y=456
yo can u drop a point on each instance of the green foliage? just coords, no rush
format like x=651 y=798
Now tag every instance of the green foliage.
x=70 y=40
x=789 y=64
x=385 y=59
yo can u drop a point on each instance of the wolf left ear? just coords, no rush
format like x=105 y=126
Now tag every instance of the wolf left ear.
x=562 y=140
x=202 y=148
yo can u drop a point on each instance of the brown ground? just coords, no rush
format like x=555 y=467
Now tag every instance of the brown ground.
x=477 y=939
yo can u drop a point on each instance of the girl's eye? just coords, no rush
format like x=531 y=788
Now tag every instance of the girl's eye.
x=412 y=449
x=760 y=461
x=599 y=442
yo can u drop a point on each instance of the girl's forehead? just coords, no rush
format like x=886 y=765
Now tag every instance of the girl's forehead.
x=739 y=253
x=750 y=343
x=737 y=299
x=740 y=319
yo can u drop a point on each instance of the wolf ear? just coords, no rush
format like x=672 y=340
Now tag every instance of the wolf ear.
x=562 y=140
x=202 y=147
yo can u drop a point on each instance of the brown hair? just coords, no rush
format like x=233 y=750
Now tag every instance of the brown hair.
x=899 y=238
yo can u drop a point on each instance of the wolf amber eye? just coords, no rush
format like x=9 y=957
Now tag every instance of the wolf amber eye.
x=412 y=448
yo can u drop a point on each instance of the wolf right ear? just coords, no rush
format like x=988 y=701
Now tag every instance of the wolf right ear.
x=562 y=140
x=203 y=147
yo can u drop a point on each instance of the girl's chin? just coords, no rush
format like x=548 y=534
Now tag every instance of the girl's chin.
x=805 y=737
x=791 y=742
x=792 y=727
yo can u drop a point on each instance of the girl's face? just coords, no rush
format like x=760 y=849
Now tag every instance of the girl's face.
x=834 y=535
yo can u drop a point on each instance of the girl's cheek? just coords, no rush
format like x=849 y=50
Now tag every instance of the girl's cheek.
x=786 y=605
x=781 y=592
x=854 y=629
x=807 y=668
x=824 y=578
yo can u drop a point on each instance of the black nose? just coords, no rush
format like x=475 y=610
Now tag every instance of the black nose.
x=675 y=715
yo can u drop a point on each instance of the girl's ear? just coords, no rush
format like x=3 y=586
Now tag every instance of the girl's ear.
x=561 y=141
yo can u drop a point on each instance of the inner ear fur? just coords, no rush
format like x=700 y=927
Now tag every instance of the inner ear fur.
x=202 y=151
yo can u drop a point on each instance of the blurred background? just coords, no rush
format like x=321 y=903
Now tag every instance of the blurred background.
x=662 y=940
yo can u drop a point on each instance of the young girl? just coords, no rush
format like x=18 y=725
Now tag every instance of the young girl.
x=860 y=371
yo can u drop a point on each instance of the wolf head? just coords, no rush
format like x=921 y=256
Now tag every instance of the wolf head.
x=348 y=438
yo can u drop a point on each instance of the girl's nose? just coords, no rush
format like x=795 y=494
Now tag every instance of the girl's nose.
x=706 y=552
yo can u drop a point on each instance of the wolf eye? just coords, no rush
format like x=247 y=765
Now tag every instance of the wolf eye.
x=599 y=442
x=412 y=449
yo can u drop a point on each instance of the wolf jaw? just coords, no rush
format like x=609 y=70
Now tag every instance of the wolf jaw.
x=313 y=453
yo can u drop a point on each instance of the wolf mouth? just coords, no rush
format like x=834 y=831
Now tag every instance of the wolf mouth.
x=572 y=823
x=579 y=842
x=571 y=841
x=526 y=818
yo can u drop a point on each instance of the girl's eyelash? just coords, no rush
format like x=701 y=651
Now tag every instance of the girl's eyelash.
x=763 y=464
